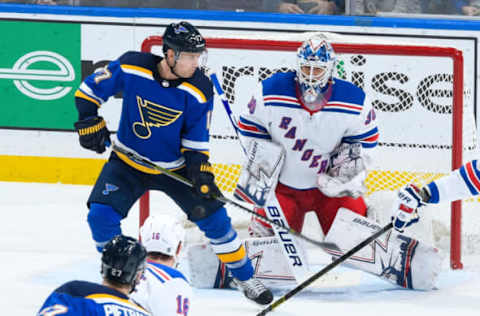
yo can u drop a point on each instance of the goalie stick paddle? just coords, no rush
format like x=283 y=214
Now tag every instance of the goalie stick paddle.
x=143 y=161
x=326 y=269
x=297 y=266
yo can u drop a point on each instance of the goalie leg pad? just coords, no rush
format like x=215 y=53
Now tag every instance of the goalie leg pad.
x=271 y=267
x=226 y=244
x=258 y=227
x=283 y=202
x=394 y=257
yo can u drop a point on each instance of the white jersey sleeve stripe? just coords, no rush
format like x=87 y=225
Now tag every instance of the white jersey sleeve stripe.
x=470 y=175
x=460 y=184
x=367 y=139
x=195 y=145
x=86 y=89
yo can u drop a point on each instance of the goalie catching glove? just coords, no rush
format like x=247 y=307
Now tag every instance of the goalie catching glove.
x=93 y=133
x=347 y=173
x=409 y=200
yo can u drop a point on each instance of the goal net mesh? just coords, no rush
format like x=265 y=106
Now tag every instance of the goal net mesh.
x=421 y=96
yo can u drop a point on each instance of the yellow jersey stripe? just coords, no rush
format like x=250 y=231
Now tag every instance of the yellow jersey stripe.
x=137 y=68
x=135 y=165
x=196 y=90
x=80 y=94
x=237 y=255
x=140 y=167
x=115 y=298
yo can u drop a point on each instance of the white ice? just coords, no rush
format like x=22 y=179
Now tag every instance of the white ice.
x=45 y=241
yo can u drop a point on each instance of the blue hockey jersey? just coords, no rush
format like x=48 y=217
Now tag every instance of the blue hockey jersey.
x=81 y=298
x=160 y=119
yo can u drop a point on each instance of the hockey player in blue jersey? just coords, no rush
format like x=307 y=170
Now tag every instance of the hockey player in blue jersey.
x=165 y=117
x=459 y=184
x=123 y=263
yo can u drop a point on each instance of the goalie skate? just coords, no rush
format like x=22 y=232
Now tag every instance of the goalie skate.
x=254 y=290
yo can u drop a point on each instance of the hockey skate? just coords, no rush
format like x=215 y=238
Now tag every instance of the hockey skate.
x=254 y=290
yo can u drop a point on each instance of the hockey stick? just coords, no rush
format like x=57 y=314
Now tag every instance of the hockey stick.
x=223 y=98
x=145 y=162
x=329 y=267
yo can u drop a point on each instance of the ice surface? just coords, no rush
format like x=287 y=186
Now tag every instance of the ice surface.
x=45 y=241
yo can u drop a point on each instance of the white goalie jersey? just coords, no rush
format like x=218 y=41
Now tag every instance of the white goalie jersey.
x=276 y=113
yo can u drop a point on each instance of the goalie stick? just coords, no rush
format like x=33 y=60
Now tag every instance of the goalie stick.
x=144 y=161
x=326 y=269
x=297 y=261
x=226 y=105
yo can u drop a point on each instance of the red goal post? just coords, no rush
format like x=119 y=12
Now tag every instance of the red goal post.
x=227 y=172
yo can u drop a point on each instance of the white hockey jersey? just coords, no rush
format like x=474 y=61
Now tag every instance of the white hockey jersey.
x=276 y=113
x=459 y=184
x=164 y=291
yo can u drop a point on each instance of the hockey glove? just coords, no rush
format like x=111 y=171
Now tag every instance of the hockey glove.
x=204 y=181
x=93 y=133
x=405 y=208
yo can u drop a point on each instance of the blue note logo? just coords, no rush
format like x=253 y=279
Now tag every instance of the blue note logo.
x=109 y=188
x=24 y=75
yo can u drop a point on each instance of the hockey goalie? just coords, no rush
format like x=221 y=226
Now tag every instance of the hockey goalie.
x=307 y=137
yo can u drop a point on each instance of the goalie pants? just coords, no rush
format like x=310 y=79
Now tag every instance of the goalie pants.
x=296 y=203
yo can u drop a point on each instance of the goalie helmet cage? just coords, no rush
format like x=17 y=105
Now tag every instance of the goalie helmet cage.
x=388 y=177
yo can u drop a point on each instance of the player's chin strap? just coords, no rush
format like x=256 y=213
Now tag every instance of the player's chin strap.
x=147 y=163
x=329 y=267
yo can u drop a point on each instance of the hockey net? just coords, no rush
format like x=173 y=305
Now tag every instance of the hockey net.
x=423 y=105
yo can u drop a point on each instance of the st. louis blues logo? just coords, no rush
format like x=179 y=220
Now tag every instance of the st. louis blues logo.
x=109 y=188
x=180 y=29
x=153 y=115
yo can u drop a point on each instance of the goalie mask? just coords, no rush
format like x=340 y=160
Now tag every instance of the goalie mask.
x=315 y=65
x=163 y=234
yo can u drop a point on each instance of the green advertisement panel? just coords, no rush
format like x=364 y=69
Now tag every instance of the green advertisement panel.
x=39 y=73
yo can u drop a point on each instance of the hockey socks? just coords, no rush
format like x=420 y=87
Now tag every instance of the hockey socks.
x=104 y=223
x=226 y=244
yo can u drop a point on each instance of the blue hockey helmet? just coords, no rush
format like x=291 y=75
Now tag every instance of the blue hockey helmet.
x=123 y=258
x=315 y=65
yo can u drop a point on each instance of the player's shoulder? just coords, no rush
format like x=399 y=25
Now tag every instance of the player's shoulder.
x=279 y=81
x=345 y=91
x=199 y=86
x=86 y=289
x=139 y=61
x=164 y=273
